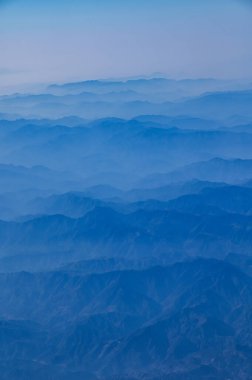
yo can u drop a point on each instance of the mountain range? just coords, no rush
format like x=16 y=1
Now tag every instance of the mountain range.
x=126 y=231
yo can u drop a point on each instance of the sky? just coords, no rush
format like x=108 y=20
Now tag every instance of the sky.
x=45 y=41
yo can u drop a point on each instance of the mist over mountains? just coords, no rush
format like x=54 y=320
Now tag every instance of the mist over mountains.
x=126 y=231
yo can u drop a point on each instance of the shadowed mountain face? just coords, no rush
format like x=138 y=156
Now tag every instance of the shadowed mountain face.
x=160 y=320
x=126 y=231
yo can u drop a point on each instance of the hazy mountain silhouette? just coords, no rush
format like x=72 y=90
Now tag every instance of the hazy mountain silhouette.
x=125 y=231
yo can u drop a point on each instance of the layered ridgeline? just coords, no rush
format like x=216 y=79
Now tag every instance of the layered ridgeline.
x=126 y=231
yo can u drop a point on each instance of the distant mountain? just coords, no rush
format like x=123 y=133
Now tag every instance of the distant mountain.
x=129 y=99
x=74 y=205
x=158 y=84
x=183 y=122
x=113 y=151
x=186 y=87
x=170 y=191
x=14 y=177
x=220 y=104
x=146 y=232
x=245 y=128
x=77 y=204
x=232 y=199
x=216 y=170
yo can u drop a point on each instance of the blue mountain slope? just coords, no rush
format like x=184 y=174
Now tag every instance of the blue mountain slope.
x=144 y=233
x=165 y=316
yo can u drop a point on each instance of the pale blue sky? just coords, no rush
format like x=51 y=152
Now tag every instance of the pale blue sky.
x=45 y=41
